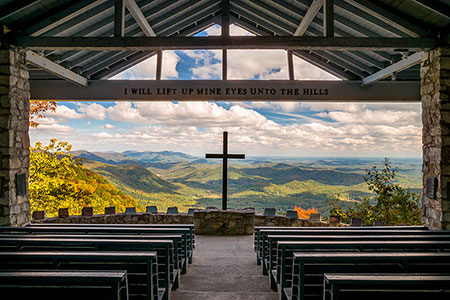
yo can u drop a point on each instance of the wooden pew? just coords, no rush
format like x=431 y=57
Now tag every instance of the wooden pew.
x=103 y=230
x=180 y=250
x=386 y=286
x=270 y=255
x=262 y=233
x=141 y=267
x=309 y=268
x=168 y=278
x=191 y=227
x=286 y=252
x=258 y=228
x=68 y=285
x=263 y=250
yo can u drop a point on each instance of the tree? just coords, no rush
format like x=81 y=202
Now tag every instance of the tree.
x=58 y=180
x=37 y=108
x=391 y=204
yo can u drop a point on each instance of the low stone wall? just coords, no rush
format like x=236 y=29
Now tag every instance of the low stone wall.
x=207 y=222
x=138 y=218
x=290 y=222
x=224 y=222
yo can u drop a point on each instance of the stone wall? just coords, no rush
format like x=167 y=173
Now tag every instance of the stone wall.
x=435 y=87
x=224 y=222
x=14 y=139
x=139 y=218
x=207 y=222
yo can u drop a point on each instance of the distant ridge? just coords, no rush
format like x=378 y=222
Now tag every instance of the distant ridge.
x=142 y=158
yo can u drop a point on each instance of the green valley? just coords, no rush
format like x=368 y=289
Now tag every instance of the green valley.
x=188 y=182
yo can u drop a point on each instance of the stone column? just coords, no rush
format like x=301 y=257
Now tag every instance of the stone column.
x=435 y=91
x=14 y=138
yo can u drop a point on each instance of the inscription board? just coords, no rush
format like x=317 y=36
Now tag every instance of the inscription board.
x=225 y=90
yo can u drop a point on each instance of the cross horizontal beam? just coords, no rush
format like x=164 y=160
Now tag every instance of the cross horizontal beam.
x=226 y=90
x=234 y=156
x=218 y=42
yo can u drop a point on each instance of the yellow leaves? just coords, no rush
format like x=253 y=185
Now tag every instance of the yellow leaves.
x=305 y=213
x=57 y=180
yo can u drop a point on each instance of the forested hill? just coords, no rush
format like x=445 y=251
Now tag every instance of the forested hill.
x=282 y=185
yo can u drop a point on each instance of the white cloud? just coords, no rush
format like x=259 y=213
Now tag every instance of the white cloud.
x=203 y=114
x=92 y=111
x=64 y=112
x=108 y=126
x=51 y=126
x=147 y=68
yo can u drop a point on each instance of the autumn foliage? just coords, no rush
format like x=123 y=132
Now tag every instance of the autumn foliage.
x=37 y=108
x=58 y=180
x=305 y=213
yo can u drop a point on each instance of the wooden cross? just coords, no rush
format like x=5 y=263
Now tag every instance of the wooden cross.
x=225 y=157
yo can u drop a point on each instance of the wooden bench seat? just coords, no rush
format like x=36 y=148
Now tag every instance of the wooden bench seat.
x=167 y=274
x=263 y=233
x=179 y=247
x=286 y=251
x=269 y=253
x=363 y=228
x=141 y=266
x=191 y=227
x=67 y=285
x=386 y=286
x=307 y=278
x=185 y=232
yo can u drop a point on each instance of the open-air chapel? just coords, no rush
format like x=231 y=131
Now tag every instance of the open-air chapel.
x=383 y=51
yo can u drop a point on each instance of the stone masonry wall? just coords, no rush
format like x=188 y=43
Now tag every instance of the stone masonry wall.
x=14 y=139
x=435 y=91
x=207 y=222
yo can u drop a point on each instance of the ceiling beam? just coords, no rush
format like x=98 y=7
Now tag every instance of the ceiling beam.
x=16 y=7
x=435 y=6
x=308 y=17
x=119 y=18
x=55 y=69
x=217 y=42
x=389 y=17
x=139 y=17
x=328 y=18
x=62 y=16
x=394 y=68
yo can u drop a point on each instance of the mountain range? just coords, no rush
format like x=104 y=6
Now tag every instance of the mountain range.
x=176 y=179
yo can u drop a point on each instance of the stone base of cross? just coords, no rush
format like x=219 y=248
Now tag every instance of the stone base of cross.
x=225 y=156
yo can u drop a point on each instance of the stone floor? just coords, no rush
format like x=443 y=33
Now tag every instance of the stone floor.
x=224 y=267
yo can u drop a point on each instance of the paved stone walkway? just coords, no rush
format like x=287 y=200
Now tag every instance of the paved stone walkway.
x=224 y=268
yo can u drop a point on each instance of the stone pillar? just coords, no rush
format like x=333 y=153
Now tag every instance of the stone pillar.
x=435 y=91
x=14 y=138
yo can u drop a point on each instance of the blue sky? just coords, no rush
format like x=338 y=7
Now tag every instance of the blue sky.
x=260 y=128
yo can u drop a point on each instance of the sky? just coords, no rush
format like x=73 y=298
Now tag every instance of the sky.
x=255 y=128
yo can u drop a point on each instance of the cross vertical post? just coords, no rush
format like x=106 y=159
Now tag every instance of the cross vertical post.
x=225 y=170
x=225 y=156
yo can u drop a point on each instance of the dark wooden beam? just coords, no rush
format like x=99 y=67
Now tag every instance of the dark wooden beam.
x=328 y=18
x=119 y=18
x=217 y=42
x=290 y=65
x=159 y=58
x=15 y=7
x=225 y=90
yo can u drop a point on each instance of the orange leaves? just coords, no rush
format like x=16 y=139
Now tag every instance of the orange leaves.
x=37 y=108
x=305 y=213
